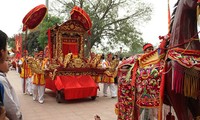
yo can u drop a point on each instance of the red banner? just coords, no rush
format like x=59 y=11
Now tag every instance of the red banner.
x=18 y=46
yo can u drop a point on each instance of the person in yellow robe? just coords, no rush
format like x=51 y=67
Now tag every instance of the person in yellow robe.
x=30 y=78
x=108 y=77
x=25 y=69
x=38 y=80
x=98 y=78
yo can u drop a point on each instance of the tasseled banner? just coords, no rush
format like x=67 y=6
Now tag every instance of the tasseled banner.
x=178 y=78
x=191 y=83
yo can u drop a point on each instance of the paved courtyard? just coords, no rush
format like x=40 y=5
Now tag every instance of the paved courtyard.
x=82 y=109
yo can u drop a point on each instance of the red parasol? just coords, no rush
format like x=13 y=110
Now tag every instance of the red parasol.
x=78 y=13
x=34 y=17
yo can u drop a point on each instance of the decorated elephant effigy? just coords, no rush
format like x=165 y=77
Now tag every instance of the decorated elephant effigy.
x=140 y=87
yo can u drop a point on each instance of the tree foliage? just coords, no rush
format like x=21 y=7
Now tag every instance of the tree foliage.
x=48 y=22
x=111 y=25
x=11 y=42
x=32 y=43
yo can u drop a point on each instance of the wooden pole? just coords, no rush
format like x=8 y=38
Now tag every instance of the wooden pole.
x=25 y=62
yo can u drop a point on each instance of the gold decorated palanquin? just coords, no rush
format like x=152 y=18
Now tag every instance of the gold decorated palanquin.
x=66 y=50
x=68 y=38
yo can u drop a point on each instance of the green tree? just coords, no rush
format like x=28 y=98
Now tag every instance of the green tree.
x=48 y=22
x=32 y=43
x=109 y=24
x=11 y=42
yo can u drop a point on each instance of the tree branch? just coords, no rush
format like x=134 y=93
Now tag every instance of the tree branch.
x=116 y=21
x=109 y=6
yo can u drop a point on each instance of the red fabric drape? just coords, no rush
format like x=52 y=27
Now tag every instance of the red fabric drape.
x=70 y=47
x=74 y=87
x=50 y=84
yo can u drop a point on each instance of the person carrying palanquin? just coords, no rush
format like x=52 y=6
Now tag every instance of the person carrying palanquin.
x=92 y=61
x=25 y=73
x=38 y=79
x=108 y=76
x=30 y=79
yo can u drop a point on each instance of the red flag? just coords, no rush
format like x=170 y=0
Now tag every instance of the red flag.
x=18 y=46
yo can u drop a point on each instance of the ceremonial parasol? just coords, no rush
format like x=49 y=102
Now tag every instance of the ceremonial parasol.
x=78 y=13
x=31 y=20
x=34 y=17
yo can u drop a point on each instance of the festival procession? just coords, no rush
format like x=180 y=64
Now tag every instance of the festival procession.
x=94 y=64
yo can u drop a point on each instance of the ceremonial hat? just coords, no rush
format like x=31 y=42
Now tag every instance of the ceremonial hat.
x=147 y=45
x=26 y=52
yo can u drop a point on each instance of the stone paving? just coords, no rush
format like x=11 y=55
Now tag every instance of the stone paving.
x=82 y=109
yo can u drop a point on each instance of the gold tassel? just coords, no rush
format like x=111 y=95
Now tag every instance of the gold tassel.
x=191 y=83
